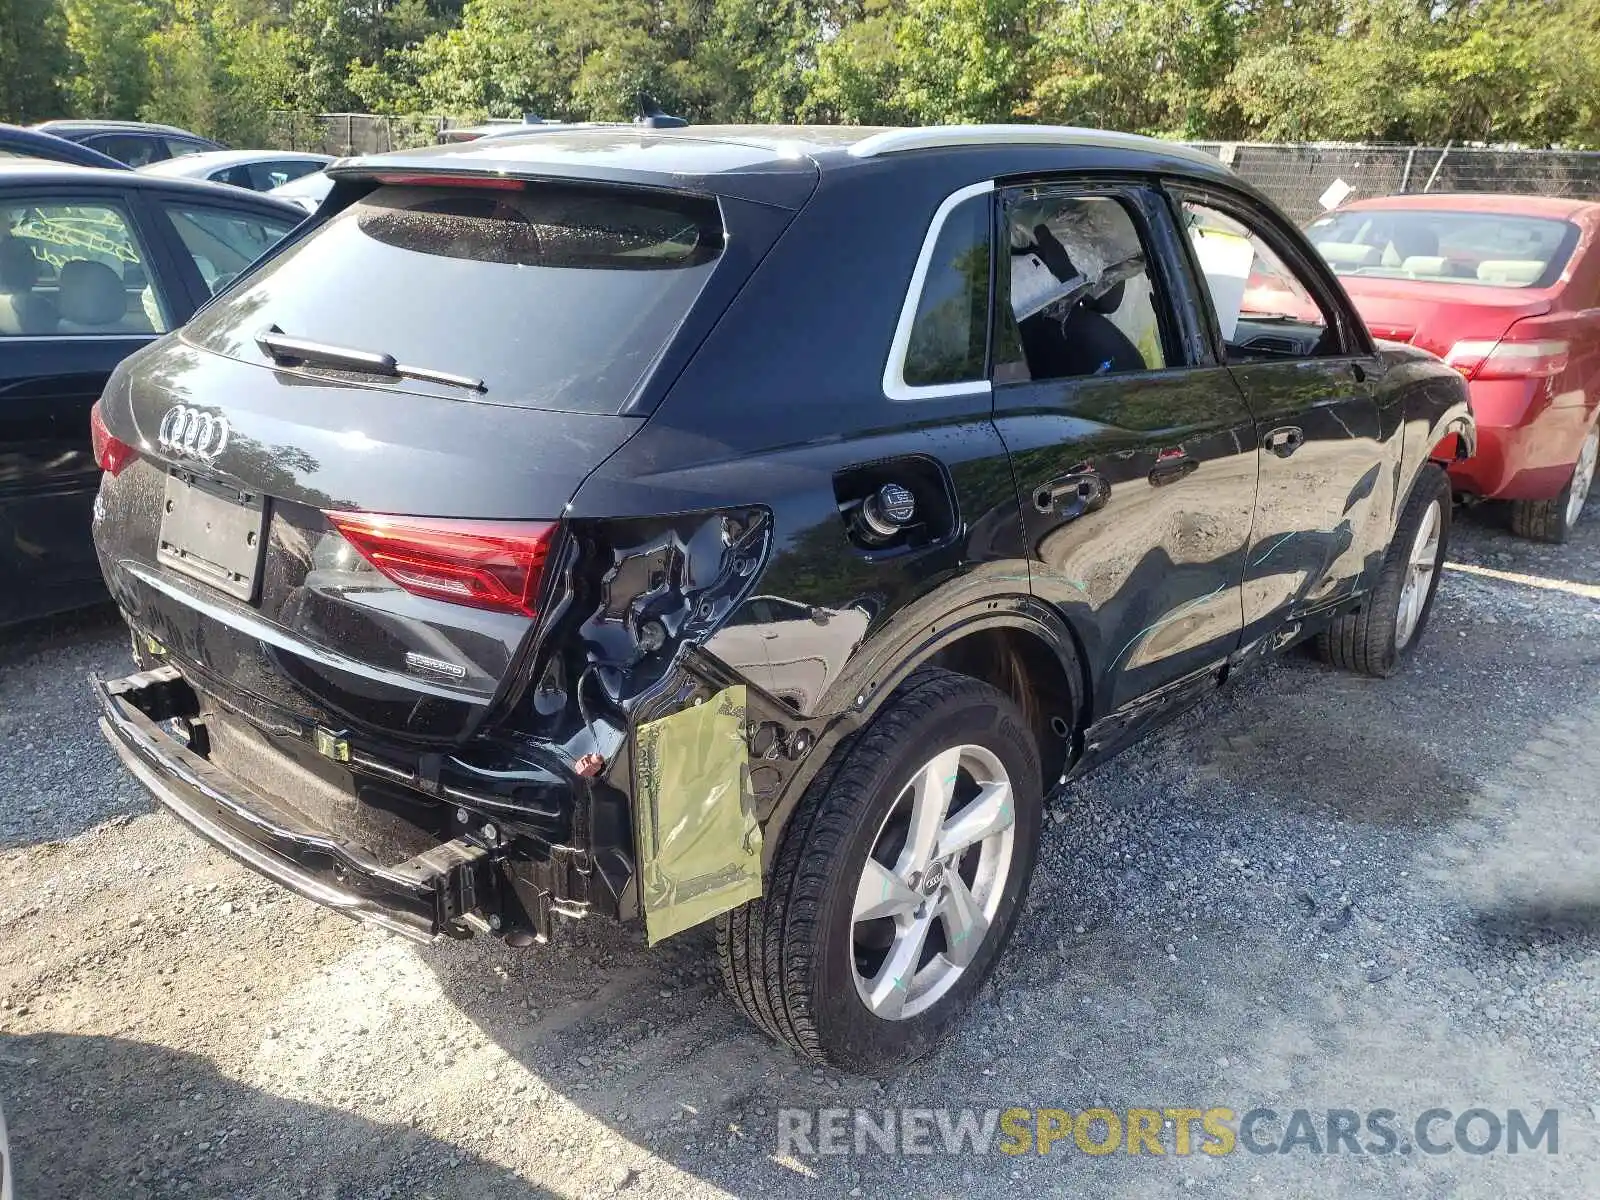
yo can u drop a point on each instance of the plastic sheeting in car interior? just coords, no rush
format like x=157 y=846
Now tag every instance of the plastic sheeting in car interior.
x=1086 y=248
x=699 y=841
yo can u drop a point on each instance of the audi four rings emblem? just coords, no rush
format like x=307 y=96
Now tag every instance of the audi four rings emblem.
x=192 y=433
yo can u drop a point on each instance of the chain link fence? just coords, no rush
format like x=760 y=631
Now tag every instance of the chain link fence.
x=1294 y=176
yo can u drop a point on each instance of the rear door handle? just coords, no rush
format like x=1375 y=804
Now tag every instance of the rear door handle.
x=1284 y=441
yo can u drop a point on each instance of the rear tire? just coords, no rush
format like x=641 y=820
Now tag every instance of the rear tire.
x=1552 y=520
x=1376 y=640
x=814 y=960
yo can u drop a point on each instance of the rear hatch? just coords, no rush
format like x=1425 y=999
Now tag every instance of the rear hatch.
x=336 y=496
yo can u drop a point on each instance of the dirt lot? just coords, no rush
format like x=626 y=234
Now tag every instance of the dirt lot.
x=1314 y=891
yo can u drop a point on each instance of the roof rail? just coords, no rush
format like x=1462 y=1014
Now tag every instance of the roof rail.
x=932 y=137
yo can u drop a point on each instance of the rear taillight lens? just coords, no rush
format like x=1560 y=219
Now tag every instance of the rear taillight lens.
x=111 y=453
x=485 y=564
x=1539 y=359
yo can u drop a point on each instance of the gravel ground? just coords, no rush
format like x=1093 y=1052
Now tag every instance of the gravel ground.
x=1313 y=891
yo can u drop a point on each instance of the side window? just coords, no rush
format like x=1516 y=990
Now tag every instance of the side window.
x=236 y=176
x=135 y=149
x=222 y=243
x=1081 y=299
x=181 y=147
x=1265 y=311
x=74 y=268
x=268 y=175
x=951 y=328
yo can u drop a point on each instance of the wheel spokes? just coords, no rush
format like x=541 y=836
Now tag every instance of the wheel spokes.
x=882 y=893
x=886 y=991
x=991 y=812
x=964 y=922
x=931 y=792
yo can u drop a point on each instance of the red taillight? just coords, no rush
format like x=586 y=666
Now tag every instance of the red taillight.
x=111 y=454
x=1538 y=359
x=497 y=183
x=485 y=564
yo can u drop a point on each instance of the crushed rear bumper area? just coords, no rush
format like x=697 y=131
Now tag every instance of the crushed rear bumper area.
x=442 y=890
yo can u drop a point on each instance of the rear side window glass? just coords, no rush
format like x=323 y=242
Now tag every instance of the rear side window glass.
x=70 y=268
x=950 y=331
x=222 y=244
x=134 y=149
x=556 y=296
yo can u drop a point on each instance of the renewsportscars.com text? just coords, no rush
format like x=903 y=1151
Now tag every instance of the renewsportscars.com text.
x=1179 y=1132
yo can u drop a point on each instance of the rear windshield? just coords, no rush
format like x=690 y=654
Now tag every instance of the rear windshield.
x=1487 y=248
x=557 y=297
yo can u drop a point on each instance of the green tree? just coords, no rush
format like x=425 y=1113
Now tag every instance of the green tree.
x=105 y=43
x=33 y=60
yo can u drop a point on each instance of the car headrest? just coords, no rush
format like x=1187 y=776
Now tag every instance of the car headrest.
x=19 y=269
x=1415 y=241
x=91 y=293
x=1424 y=264
x=1108 y=301
x=1510 y=270
x=1348 y=254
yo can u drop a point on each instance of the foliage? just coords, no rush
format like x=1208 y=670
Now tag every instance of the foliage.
x=1407 y=70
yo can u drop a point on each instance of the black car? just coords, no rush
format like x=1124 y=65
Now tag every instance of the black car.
x=136 y=143
x=744 y=524
x=94 y=264
x=17 y=142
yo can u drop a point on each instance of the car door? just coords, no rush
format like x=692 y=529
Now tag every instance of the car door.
x=1308 y=371
x=1133 y=449
x=82 y=286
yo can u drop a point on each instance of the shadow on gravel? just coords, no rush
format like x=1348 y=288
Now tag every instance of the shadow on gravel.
x=1524 y=926
x=85 y=1118
x=18 y=642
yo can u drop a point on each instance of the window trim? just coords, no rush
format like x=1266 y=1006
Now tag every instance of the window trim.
x=895 y=386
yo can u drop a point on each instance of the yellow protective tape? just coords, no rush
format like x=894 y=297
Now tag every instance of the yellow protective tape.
x=699 y=841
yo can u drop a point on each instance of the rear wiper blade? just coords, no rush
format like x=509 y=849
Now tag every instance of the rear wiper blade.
x=292 y=351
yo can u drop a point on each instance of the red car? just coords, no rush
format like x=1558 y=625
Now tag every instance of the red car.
x=1507 y=290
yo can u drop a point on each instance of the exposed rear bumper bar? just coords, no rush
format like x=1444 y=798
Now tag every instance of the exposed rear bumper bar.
x=421 y=898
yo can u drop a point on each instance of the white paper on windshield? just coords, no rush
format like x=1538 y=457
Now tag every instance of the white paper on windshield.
x=1225 y=258
x=1338 y=192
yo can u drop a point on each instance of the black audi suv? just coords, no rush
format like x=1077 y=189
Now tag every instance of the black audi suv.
x=747 y=525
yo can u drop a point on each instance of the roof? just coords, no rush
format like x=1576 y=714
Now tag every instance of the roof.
x=1507 y=203
x=213 y=160
x=25 y=172
x=36 y=144
x=85 y=125
x=758 y=155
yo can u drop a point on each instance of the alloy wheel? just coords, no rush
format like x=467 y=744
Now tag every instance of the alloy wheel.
x=1420 y=567
x=1583 y=476
x=932 y=882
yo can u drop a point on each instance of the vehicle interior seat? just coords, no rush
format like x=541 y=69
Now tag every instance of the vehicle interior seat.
x=1409 y=241
x=1084 y=341
x=22 y=310
x=1510 y=270
x=91 y=297
x=1426 y=264
x=1348 y=254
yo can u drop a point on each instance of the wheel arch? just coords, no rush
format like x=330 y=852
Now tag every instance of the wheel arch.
x=1016 y=643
